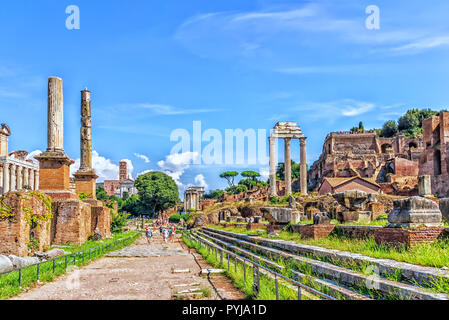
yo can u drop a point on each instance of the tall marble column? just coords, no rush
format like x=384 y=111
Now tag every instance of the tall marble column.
x=6 y=178
x=86 y=132
x=36 y=180
x=32 y=179
x=26 y=178
x=303 y=167
x=55 y=120
x=288 y=166
x=272 y=151
x=13 y=185
x=19 y=177
x=85 y=177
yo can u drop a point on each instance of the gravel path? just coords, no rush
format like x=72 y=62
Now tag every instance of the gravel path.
x=138 y=272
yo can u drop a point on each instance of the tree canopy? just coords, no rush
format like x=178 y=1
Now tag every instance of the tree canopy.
x=280 y=170
x=389 y=129
x=157 y=191
x=229 y=176
x=216 y=194
x=253 y=175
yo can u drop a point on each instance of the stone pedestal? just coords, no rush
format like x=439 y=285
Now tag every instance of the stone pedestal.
x=254 y=226
x=415 y=212
x=86 y=182
x=54 y=171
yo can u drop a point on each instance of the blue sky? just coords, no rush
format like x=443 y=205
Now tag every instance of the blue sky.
x=155 y=66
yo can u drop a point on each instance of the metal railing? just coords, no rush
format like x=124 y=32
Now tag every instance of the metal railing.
x=91 y=254
x=256 y=269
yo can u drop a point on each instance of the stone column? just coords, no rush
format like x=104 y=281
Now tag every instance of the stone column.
x=36 y=180
x=6 y=177
x=272 y=151
x=19 y=176
x=86 y=132
x=26 y=178
x=303 y=167
x=32 y=173
x=13 y=185
x=55 y=115
x=288 y=166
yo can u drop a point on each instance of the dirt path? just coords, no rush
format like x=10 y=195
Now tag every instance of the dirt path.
x=139 y=272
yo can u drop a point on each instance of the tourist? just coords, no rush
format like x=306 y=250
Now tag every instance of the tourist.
x=149 y=234
x=165 y=233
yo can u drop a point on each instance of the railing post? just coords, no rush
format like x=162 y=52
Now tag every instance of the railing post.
x=66 y=263
x=90 y=253
x=74 y=259
x=235 y=264
x=37 y=272
x=221 y=257
x=228 y=261
x=299 y=293
x=276 y=285
x=244 y=271
x=256 y=280
x=20 y=278
x=53 y=266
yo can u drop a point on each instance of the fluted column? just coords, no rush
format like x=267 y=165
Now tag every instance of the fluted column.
x=303 y=167
x=26 y=178
x=13 y=185
x=6 y=178
x=32 y=179
x=272 y=151
x=19 y=177
x=288 y=166
x=36 y=180
x=55 y=115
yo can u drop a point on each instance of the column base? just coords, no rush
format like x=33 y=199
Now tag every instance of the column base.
x=54 y=171
x=86 y=182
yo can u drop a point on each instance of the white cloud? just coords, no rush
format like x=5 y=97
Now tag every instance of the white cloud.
x=200 y=181
x=105 y=168
x=264 y=173
x=422 y=44
x=167 y=110
x=32 y=154
x=143 y=157
x=175 y=165
x=335 y=109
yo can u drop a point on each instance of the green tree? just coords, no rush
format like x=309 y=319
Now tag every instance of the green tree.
x=102 y=194
x=157 y=191
x=411 y=122
x=253 y=175
x=389 y=129
x=361 y=128
x=229 y=176
x=133 y=205
x=296 y=169
x=249 y=183
x=216 y=194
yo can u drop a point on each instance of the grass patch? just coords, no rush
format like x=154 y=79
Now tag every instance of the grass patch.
x=9 y=283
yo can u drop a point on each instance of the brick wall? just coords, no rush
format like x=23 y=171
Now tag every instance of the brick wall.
x=54 y=175
x=407 y=236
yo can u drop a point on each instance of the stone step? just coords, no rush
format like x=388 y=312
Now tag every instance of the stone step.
x=413 y=273
x=333 y=272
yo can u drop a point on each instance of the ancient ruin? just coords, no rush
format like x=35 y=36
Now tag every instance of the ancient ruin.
x=434 y=160
x=193 y=197
x=85 y=177
x=287 y=131
x=390 y=162
x=17 y=172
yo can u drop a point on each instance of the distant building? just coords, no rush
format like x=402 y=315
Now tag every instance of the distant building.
x=119 y=187
x=334 y=185
x=193 y=198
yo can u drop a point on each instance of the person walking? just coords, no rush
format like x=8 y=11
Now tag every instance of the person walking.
x=149 y=234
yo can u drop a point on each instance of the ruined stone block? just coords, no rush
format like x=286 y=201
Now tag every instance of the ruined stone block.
x=313 y=231
x=71 y=222
x=424 y=186
x=280 y=215
x=18 y=234
x=415 y=212
x=444 y=208
x=408 y=237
